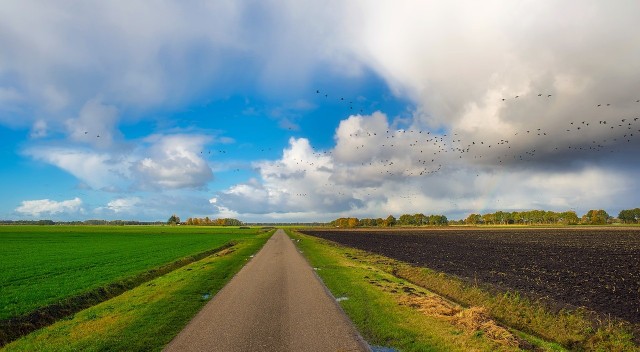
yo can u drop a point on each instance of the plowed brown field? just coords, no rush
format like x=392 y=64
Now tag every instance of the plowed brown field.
x=598 y=268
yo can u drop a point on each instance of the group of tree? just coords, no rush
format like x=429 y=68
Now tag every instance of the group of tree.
x=77 y=222
x=530 y=217
x=539 y=217
x=630 y=216
x=421 y=220
x=404 y=220
x=173 y=220
x=596 y=217
x=206 y=221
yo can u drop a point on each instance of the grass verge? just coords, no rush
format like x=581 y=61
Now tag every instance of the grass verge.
x=416 y=309
x=575 y=329
x=147 y=317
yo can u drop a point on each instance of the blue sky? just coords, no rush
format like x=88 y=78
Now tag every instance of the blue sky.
x=307 y=111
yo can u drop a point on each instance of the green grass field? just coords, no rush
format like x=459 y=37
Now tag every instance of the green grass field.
x=44 y=264
x=146 y=317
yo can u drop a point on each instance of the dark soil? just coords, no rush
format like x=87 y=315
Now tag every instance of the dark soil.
x=595 y=268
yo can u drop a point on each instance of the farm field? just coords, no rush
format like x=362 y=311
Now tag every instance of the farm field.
x=148 y=316
x=393 y=314
x=598 y=268
x=44 y=264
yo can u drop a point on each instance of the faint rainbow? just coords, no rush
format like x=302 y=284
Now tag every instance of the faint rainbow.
x=489 y=193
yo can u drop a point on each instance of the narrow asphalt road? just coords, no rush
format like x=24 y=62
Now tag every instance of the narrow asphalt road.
x=275 y=303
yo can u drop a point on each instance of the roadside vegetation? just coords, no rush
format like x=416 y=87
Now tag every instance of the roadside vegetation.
x=410 y=308
x=53 y=271
x=150 y=315
x=581 y=267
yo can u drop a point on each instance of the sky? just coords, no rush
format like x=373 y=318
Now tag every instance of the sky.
x=294 y=110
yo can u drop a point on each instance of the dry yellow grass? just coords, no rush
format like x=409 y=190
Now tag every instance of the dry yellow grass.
x=571 y=328
x=470 y=320
x=431 y=305
x=477 y=319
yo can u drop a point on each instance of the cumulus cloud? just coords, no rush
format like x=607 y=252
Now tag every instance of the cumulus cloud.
x=123 y=205
x=99 y=170
x=519 y=92
x=464 y=63
x=159 y=162
x=374 y=170
x=138 y=57
x=47 y=207
x=173 y=161
x=456 y=60
x=298 y=182
x=67 y=55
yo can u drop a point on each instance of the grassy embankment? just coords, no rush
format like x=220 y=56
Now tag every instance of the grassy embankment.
x=52 y=271
x=394 y=304
x=148 y=316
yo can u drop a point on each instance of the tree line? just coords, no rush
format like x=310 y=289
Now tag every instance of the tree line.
x=539 y=217
x=542 y=217
x=630 y=216
x=530 y=217
x=85 y=222
x=403 y=220
x=206 y=221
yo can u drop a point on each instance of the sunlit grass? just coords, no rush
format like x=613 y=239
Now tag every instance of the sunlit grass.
x=384 y=308
x=147 y=317
x=44 y=264
x=342 y=268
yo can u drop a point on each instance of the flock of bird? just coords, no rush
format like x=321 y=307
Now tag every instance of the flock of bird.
x=411 y=152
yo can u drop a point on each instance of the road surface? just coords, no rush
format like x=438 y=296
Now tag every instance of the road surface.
x=275 y=303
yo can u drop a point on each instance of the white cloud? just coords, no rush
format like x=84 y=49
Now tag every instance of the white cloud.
x=81 y=69
x=173 y=161
x=458 y=60
x=299 y=182
x=374 y=170
x=453 y=59
x=139 y=57
x=159 y=162
x=99 y=170
x=131 y=54
x=36 y=208
x=124 y=205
